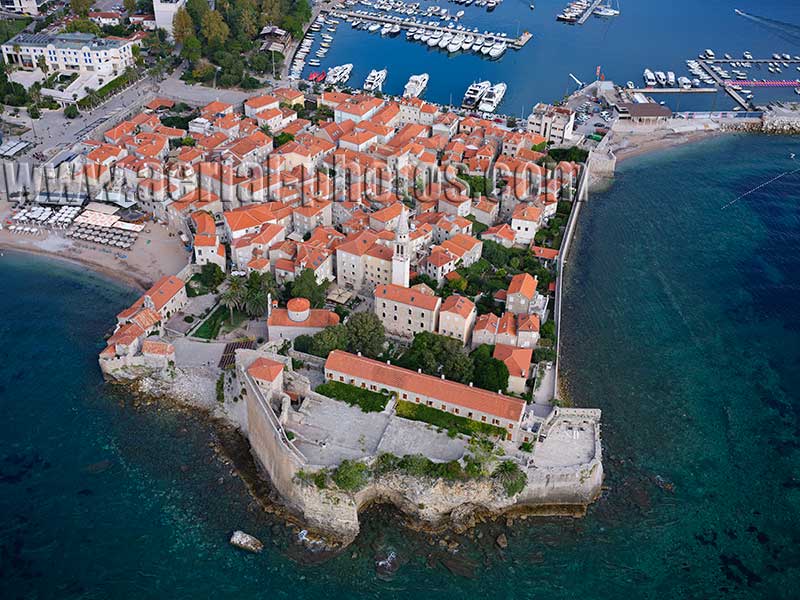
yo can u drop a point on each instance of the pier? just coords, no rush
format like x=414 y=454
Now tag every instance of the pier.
x=588 y=12
x=515 y=43
x=737 y=97
x=674 y=90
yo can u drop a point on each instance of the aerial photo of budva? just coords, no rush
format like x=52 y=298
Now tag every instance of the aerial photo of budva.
x=400 y=299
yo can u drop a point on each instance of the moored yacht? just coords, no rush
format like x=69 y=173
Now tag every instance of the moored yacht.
x=474 y=94
x=492 y=98
x=415 y=86
x=649 y=78
x=661 y=78
x=375 y=79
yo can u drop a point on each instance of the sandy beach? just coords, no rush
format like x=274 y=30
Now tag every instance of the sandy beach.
x=627 y=145
x=155 y=254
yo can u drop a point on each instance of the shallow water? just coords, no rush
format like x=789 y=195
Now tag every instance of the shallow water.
x=681 y=325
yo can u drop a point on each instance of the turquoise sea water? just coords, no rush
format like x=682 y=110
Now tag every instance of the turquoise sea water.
x=657 y=34
x=681 y=324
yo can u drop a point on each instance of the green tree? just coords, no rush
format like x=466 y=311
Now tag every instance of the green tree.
x=192 y=49
x=329 y=339
x=71 y=111
x=510 y=476
x=256 y=301
x=182 y=25
x=34 y=112
x=211 y=275
x=488 y=372
x=350 y=475
x=130 y=6
x=234 y=297
x=306 y=286
x=197 y=10
x=365 y=334
x=80 y=7
x=83 y=26
x=41 y=62
x=214 y=29
x=438 y=354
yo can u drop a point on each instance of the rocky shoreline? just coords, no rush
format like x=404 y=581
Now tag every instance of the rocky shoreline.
x=425 y=505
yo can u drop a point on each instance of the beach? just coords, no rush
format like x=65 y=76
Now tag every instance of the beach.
x=156 y=252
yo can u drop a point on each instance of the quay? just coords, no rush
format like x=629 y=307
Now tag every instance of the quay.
x=752 y=60
x=588 y=12
x=515 y=43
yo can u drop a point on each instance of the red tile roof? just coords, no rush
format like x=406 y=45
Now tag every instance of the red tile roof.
x=265 y=369
x=409 y=296
x=447 y=392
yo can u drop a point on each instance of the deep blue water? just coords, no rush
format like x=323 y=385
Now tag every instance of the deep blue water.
x=681 y=324
x=657 y=34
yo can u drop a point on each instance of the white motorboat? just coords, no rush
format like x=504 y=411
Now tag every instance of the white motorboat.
x=661 y=79
x=415 y=86
x=375 y=79
x=649 y=78
x=492 y=98
x=474 y=94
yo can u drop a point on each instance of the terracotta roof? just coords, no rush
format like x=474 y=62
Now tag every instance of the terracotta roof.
x=545 y=253
x=319 y=318
x=518 y=360
x=524 y=284
x=164 y=290
x=459 y=305
x=265 y=369
x=408 y=296
x=298 y=305
x=447 y=392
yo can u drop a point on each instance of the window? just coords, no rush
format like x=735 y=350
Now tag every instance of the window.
x=483 y=419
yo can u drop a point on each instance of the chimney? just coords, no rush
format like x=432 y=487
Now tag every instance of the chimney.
x=388 y=362
x=470 y=384
x=442 y=376
x=359 y=353
x=499 y=391
x=419 y=371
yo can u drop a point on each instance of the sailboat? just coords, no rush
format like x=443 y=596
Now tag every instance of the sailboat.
x=606 y=10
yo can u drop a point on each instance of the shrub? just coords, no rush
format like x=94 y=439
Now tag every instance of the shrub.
x=511 y=477
x=350 y=475
x=320 y=479
x=438 y=418
x=366 y=400
x=526 y=446
x=71 y=111
x=221 y=389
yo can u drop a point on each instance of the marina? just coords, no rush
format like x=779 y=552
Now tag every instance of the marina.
x=404 y=24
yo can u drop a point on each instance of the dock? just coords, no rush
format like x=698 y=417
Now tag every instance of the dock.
x=588 y=12
x=736 y=96
x=674 y=90
x=515 y=43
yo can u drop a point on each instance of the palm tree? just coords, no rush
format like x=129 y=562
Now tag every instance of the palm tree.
x=230 y=300
x=256 y=302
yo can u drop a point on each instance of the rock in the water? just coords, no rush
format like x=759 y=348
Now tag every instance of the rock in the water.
x=502 y=541
x=245 y=541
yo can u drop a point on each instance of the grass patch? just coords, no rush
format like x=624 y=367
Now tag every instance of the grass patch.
x=453 y=423
x=209 y=329
x=366 y=400
x=196 y=287
x=11 y=27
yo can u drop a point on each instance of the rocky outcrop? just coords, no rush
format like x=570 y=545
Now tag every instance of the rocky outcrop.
x=245 y=541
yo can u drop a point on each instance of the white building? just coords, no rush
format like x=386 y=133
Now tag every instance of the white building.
x=401 y=259
x=81 y=53
x=23 y=7
x=164 y=11
x=554 y=123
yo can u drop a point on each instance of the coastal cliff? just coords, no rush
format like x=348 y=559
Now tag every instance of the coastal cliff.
x=331 y=513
